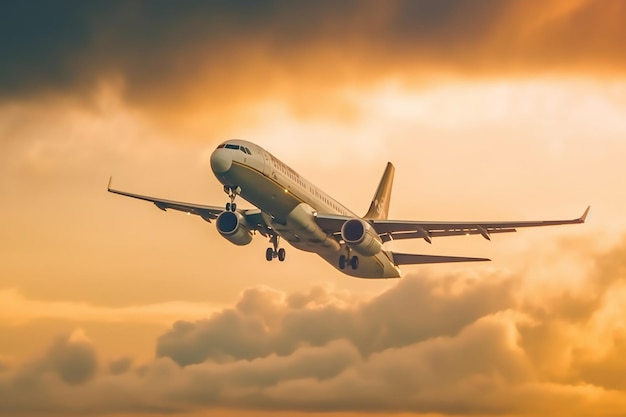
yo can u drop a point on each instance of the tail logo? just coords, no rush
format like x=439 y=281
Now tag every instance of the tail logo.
x=379 y=204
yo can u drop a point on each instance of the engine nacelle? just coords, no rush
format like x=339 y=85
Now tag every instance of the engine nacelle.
x=361 y=237
x=232 y=225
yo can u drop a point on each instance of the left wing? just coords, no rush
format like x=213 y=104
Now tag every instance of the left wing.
x=405 y=229
x=208 y=213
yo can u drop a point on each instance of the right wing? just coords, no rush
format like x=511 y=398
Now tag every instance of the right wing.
x=392 y=230
x=208 y=213
x=408 y=229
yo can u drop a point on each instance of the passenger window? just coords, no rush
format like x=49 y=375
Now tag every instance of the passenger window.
x=248 y=151
x=242 y=149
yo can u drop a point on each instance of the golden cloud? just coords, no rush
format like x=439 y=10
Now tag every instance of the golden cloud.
x=447 y=345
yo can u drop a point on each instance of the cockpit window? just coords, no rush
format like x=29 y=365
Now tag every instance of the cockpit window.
x=235 y=147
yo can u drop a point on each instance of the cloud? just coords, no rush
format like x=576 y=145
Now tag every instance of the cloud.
x=263 y=323
x=442 y=344
x=71 y=358
x=120 y=366
x=74 y=361
x=219 y=54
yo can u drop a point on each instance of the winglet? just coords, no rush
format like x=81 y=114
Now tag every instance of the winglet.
x=109 y=185
x=584 y=216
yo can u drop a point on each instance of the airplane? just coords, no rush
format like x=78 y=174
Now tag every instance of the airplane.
x=291 y=208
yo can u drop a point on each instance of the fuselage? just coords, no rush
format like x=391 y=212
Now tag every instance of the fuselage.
x=289 y=204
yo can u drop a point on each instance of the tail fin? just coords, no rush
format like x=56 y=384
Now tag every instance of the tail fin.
x=380 y=203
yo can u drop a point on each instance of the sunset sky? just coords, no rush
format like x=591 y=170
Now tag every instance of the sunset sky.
x=489 y=109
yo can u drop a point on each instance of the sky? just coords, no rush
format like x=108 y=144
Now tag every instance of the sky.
x=490 y=110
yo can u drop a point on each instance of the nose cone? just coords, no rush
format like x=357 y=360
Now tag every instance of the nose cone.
x=221 y=161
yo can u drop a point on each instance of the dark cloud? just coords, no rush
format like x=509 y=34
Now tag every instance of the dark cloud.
x=40 y=44
x=74 y=361
x=120 y=366
x=189 y=53
x=69 y=363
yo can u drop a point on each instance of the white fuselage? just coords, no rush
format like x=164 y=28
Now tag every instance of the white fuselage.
x=289 y=204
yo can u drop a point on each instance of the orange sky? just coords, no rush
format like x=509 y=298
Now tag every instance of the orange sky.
x=489 y=110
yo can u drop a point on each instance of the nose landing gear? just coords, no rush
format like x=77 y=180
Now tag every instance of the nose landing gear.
x=274 y=252
x=233 y=191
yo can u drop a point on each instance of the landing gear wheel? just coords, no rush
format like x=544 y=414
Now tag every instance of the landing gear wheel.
x=232 y=191
x=354 y=262
x=342 y=261
x=274 y=252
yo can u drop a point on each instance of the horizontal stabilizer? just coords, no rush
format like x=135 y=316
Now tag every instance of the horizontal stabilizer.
x=411 y=259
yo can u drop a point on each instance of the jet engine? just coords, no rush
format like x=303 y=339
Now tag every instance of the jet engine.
x=361 y=237
x=233 y=226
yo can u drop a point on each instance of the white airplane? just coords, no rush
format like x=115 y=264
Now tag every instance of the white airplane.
x=292 y=208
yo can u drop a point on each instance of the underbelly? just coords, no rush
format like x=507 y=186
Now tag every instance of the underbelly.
x=263 y=192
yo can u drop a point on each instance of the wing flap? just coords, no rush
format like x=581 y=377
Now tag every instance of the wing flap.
x=414 y=259
x=420 y=234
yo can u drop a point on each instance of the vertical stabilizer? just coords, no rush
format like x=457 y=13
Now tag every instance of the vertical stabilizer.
x=380 y=203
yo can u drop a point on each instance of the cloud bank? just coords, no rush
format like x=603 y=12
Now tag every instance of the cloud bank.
x=441 y=344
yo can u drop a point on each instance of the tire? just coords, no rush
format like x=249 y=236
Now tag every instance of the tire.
x=354 y=262
x=281 y=254
x=269 y=254
x=342 y=262
x=233 y=207
x=227 y=206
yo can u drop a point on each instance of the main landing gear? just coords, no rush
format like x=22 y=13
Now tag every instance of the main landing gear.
x=233 y=191
x=353 y=262
x=274 y=252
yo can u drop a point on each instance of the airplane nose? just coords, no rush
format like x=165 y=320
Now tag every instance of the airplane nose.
x=221 y=161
